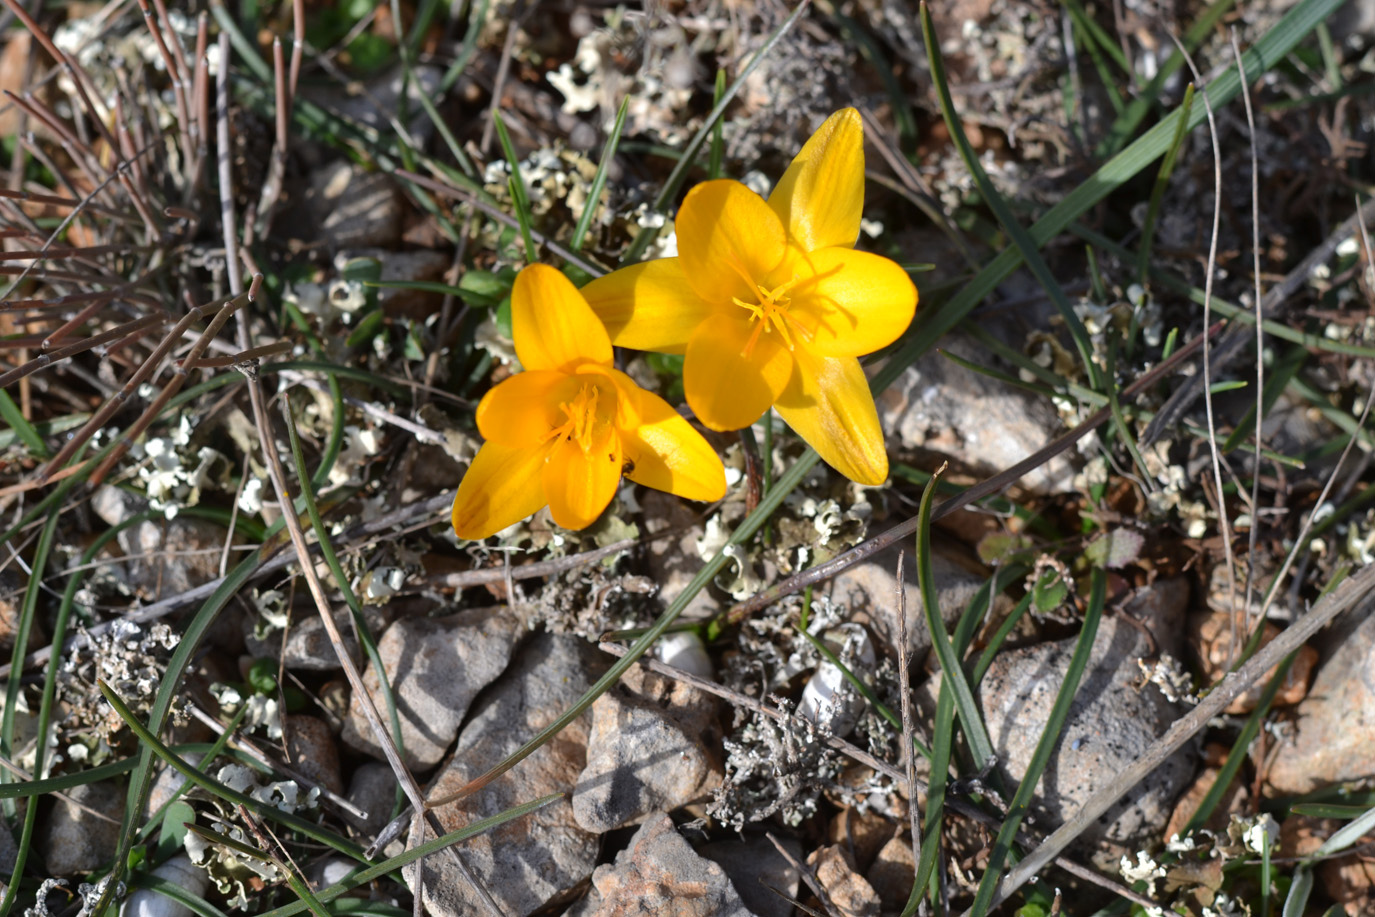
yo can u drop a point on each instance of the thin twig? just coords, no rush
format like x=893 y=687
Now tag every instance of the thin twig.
x=1254 y=534
x=905 y=687
x=1223 y=520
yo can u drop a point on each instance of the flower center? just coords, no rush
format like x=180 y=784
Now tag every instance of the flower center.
x=770 y=311
x=582 y=422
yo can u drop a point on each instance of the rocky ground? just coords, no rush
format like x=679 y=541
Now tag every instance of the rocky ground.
x=752 y=761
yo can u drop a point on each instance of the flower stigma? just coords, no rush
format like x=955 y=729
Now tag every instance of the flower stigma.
x=770 y=309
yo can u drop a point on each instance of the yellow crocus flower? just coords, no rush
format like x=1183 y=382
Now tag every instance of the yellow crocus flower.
x=771 y=303
x=564 y=431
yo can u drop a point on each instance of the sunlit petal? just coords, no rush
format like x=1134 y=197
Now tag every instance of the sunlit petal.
x=579 y=484
x=503 y=486
x=552 y=324
x=855 y=302
x=829 y=404
x=661 y=450
x=521 y=410
x=821 y=196
x=648 y=306
x=734 y=370
x=727 y=235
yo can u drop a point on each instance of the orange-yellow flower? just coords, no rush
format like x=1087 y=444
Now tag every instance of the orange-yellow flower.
x=771 y=303
x=564 y=431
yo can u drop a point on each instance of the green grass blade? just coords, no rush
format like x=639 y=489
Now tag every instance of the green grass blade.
x=942 y=746
x=995 y=643
x=140 y=781
x=519 y=200
x=1162 y=181
x=1029 y=249
x=34 y=788
x=1021 y=800
x=1222 y=307
x=1119 y=419
x=1296 y=902
x=1345 y=836
x=718 y=133
x=1100 y=48
x=951 y=672
x=594 y=194
x=20 y=426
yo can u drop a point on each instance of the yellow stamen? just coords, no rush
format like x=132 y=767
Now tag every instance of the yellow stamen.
x=582 y=421
x=770 y=309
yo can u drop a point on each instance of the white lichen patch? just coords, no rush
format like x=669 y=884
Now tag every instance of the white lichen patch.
x=1145 y=869
x=174 y=473
x=1169 y=675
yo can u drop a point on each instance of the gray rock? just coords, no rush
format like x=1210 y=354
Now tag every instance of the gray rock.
x=754 y=865
x=9 y=851
x=179 y=871
x=435 y=666
x=981 y=425
x=1334 y=738
x=170 y=556
x=373 y=789
x=167 y=782
x=311 y=750
x=381 y=99
x=649 y=751
x=870 y=592
x=348 y=207
x=82 y=839
x=530 y=862
x=673 y=560
x=1112 y=720
x=164 y=556
x=660 y=873
x=307 y=647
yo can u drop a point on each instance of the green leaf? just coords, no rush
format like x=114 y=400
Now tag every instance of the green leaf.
x=262 y=676
x=1050 y=592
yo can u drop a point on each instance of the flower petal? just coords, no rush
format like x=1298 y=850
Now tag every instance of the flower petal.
x=726 y=388
x=829 y=404
x=521 y=410
x=580 y=484
x=648 y=306
x=856 y=303
x=552 y=324
x=727 y=235
x=821 y=196
x=662 y=450
x=503 y=486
